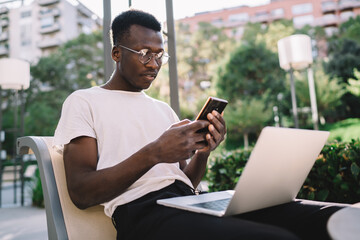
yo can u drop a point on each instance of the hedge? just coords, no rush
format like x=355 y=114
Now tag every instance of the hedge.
x=334 y=176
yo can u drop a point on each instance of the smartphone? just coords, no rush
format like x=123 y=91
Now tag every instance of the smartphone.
x=211 y=104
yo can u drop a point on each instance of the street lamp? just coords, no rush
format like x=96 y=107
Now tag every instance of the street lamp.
x=295 y=54
x=14 y=74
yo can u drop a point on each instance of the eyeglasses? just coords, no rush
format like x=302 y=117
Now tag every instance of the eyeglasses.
x=145 y=55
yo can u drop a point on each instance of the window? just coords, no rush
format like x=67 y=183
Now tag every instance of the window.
x=25 y=34
x=303 y=20
x=302 y=8
x=261 y=14
x=25 y=14
x=328 y=4
x=277 y=12
x=241 y=17
x=217 y=21
x=47 y=22
x=344 y=16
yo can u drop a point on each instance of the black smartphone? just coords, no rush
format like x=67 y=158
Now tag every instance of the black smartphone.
x=211 y=104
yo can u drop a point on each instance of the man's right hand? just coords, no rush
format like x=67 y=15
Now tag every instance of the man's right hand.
x=180 y=141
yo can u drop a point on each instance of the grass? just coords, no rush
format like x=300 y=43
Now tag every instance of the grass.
x=344 y=130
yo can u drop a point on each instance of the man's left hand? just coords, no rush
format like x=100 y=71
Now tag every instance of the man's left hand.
x=217 y=131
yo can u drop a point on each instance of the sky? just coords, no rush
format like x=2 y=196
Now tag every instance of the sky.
x=182 y=8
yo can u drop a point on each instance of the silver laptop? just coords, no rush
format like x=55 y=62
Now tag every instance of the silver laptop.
x=275 y=171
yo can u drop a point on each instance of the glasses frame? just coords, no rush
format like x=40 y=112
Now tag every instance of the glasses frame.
x=153 y=55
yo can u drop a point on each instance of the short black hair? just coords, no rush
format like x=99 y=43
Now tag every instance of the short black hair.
x=121 y=24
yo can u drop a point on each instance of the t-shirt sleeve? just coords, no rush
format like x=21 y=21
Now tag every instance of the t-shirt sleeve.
x=76 y=120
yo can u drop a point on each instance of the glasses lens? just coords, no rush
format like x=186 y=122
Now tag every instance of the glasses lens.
x=164 y=58
x=145 y=56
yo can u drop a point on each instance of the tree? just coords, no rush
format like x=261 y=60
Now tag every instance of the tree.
x=250 y=80
x=344 y=58
x=329 y=92
x=199 y=54
x=76 y=64
x=246 y=117
x=351 y=29
x=250 y=72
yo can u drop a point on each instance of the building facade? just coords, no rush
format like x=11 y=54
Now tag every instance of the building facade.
x=31 y=31
x=328 y=14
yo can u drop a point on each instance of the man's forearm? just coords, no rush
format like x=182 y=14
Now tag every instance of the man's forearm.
x=195 y=169
x=88 y=187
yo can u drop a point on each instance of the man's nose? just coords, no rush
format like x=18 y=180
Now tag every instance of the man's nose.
x=153 y=63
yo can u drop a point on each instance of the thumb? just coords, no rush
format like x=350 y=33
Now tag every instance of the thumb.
x=181 y=123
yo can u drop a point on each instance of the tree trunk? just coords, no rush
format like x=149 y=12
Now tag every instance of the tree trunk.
x=246 y=141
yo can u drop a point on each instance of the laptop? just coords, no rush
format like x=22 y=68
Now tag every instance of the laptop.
x=274 y=173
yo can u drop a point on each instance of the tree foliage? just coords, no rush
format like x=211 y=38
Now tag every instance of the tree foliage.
x=76 y=64
x=329 y=92
x=199 y=53
x=251 y=71
x=344 y=57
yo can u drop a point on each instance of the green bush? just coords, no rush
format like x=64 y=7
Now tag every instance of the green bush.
x=37 y=192
x=334 y=176
x=225 y=169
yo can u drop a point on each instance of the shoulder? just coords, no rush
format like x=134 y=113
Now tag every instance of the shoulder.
x=82 y=95
x=158 y=103
x=164 y=107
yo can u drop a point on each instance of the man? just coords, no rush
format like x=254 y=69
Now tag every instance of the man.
x=125 y=150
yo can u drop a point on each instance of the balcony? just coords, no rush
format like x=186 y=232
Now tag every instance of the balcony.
x=344 y=16
x=277 y=16
x=4 y=22
x=4 y=36
x=49 y=42
x=84 y=21
x=4 y=50
x=328 y=20
x=4 y=10
x=84 y=10
x=260 y=18
x=47 y=2
x=49 y=12
x=50 y=29
x=327 y=7
x=348 y=4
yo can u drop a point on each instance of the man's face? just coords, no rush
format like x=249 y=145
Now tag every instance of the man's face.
x=134 y=75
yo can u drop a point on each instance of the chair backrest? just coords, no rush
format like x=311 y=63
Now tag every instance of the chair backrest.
x=64 y=219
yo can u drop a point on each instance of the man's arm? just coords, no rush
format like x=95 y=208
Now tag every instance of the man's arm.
x=88 y=187
x=195 y=170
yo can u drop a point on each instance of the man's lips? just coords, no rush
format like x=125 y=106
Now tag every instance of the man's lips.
x=150 y=76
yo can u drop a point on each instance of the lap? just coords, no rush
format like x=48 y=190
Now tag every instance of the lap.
x=144 y=219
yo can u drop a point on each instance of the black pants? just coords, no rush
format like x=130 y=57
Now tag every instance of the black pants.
x=144 y=219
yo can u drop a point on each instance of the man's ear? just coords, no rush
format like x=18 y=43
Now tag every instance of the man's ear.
x=116 y=54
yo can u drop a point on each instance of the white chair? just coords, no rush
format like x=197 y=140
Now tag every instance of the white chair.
x=64 y=219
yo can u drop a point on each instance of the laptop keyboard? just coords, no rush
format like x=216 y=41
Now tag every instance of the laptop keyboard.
x=217 y=205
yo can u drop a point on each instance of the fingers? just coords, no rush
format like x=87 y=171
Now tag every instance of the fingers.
x=217 y=127
x=198 y=125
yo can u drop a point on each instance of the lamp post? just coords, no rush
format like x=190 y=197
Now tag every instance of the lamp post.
x=295 y=54
x=15 y=75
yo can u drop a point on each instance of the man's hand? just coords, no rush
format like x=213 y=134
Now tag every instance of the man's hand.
x=181 y=141
x=217 y=131
x=195 y=170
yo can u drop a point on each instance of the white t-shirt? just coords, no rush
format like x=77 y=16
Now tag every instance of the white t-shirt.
x=122 y=123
